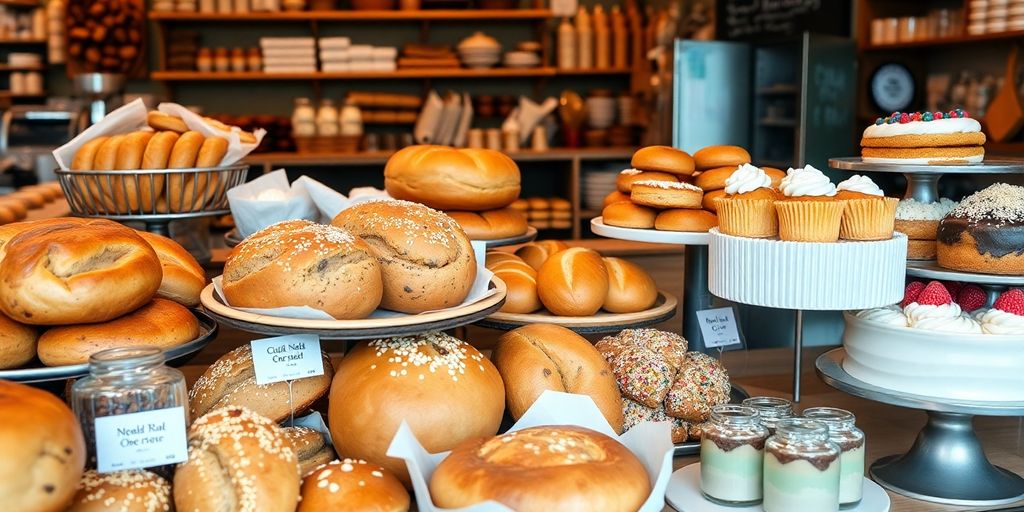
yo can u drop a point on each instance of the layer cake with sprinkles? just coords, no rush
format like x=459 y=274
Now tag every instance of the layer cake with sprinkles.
x=924 y=138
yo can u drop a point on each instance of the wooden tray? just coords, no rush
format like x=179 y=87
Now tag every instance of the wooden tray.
x=363 y=329
x=664 y=308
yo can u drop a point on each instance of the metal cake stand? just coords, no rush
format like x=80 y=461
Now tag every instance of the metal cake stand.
x=947 y=463
x=923 y=180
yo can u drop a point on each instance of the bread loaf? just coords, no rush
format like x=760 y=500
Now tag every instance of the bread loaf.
x=310 y=448
x=536 y=253
x=452 y=179
x=183 y=277
x=492 y=224
x=573 y=282
x=135 y=490
x=630 y=287
x=353 y=484
x=17 y=343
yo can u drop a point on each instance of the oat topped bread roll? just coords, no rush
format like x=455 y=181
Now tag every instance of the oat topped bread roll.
x=353 y=484
x=453 y=179
x=135 y=490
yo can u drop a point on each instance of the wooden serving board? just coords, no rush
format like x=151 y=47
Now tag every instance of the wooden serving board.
x=603 y=322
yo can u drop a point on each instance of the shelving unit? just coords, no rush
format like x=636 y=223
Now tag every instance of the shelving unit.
x=1015 y=35
x=354 y=15
x=20 y=3
x=399 y=74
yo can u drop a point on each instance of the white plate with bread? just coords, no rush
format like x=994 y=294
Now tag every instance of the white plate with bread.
x=601 y=322
x=598 y=226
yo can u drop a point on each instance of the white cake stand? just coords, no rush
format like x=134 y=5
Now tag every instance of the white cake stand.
x=923 y=180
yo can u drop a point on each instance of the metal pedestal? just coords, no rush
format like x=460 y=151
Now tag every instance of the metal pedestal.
x=695 y=293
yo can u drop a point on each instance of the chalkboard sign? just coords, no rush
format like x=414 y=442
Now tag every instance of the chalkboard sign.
x=758 y=19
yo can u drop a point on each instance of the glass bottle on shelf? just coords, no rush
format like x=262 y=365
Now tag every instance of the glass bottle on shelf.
x=566 y=45
x=620 y=39
x=732 y=456
x=584 y=40
x=303 y=118
x=351 y=122
x=327 y=119
x=770 y=409
x=801 y=468
x=602 y=39
x=843 y=432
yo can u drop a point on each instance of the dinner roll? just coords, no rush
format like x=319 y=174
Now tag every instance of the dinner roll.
x=536 y=253
x=237 y=460
x=184 y=279
x=708 y=203
x=626 y=214
x=231 y=382
x=353 y=484
x=493 y=256
x=521 y=284
x=624 y=183
x=311 y=448
x=491 y=225
x=426 y=259
x=720 y=156
x=452 y=179
x=681 y=219
x=573 y=282
x=134 y=490
x=17 y=343
x=663 y=159
x=161 y=323
x=588 y=472
x=316 y=265
x=16 y=207
x=74 y=272
x=614 y=197
x=714 y=179
x=445 y=389
x=43 y=450
x=630 y=287
x=538 y=357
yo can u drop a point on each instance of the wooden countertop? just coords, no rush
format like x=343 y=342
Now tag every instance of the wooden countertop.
x=889 y=429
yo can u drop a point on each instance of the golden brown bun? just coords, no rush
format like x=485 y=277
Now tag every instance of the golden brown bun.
x=231 y=381
x=131 y=149
x=161 y=323
x=105 y=160
x=538 y=357
x=9 y=231
x=630 y=287
x=6 y=215
x=198 y=188
x=445 y=389
x=310 y=446
x=295 y=267
x=156 y=156
x=494 y=256
x=237 y=460
x=74 y=272
x=614 y=197
x=452 y=179
x=573 y=282
x=658 y=194
x=44 y=451
x=520 y=204
x=593 y=472
x=539 y=203
x=17 y=207
x=353 y=484
x=183 y=277
x=698 y=221
x=663 y=159
x=625 y=214
x=183 y=194
x=135 y=490
x=86 y=154
x=624 y=183
x=32 y=198
x=714 y=179
x=17 y=343
x=536 y=253
x=522 y=289
x=491 y=225
x=776 y=175
x=160 y=121
x=129 y=157
x=516 y=264
x=560 y=204
x=720 y=156
x=212 y=152
x=426 y=259
x=708 y=203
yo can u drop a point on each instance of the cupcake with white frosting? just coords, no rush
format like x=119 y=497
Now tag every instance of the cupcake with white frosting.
x=869 y=215
x=748 y=207
x=809 y=210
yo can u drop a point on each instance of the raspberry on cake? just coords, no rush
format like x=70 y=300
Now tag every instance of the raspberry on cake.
x=985 y=233
x=924 y=138
x=934 y=310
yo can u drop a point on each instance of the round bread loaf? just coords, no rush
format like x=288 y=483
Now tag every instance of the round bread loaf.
x=521 y=284
x=660 y=194
x=573 y=282
x=77 y=272
x=720 y=156
x=714 y=179
x=183 y=277
x=239 y=461
x=161 y=323
x=231 y=382
x=452 y=179
x=353 y=484
x=491 y=225
x=308 y=266
x=522 y=470
x=538 y=357
x=630 y=287
x=663 y=159
x=445 y=389
x=310 y=446
x=426 y=260
x=17 y=343
x=682 y=219
x=536 y=253
x=9 y=231
x=708 y=203
x=135 y=490
x=626 y=214
x=44 y=451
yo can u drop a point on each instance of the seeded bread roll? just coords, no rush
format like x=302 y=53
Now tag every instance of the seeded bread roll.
x=183 y=277
x=135 y=490
x=353 y=484
x=231 y=381
x=17 y=343
x=426 y=259
x=237 y=461
x=573 y=282
x=452 y=179
x=311 y=448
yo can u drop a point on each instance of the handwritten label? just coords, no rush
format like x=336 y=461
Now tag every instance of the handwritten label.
x=141 y=440
x=286 y=358
x=718 y=326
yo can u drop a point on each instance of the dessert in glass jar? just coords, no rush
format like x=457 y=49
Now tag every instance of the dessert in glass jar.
x=770 y=410
x=801 y=468
x=732 y=456
x=850 y=439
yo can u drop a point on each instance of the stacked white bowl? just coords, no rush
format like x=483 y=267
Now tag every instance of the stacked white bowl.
x=521 y=59
x=479 y=51
x=600 y=111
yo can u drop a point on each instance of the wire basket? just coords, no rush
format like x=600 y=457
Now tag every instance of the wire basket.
x=151 y=195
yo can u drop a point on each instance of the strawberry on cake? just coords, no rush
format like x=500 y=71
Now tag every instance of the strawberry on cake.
x=1006 y=315
x=935 y=310
x=924 y=138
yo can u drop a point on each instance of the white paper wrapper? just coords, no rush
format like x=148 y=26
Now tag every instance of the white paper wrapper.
x=479 y=291
x=132 y=117
x=809 y=276
x=650 y=442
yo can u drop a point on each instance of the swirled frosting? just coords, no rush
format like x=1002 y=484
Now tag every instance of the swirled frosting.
x=916 y=311
x=938 y=126
x=996 y=321
x=891 y=315
x=862 y=184
x=746 y=178
x=806 y=181
x=962 y=324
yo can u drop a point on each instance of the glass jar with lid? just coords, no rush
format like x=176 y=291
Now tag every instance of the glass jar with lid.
x=770 y=410
x=732 y=455
x=843 y=432
x=303 y=118
x=327 y=119
x=801 y=468
x=125 y=381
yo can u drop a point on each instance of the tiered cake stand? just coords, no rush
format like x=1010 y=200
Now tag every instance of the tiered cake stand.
x=946 y=463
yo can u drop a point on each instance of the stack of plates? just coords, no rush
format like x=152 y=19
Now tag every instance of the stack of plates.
x=480 y=57
x=521 y=59
x=596 y=186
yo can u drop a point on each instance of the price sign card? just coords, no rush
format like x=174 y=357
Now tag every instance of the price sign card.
x=141 y=440
x=719 y=327
x=286 y=358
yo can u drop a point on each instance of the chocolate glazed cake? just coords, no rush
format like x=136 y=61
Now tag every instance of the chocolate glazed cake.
x=985 y=233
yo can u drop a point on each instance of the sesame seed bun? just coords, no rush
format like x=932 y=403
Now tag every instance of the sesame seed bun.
x=353 y=484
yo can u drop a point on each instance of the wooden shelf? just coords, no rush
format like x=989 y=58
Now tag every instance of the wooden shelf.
x=21 y=3
x=947 y=41
x=22 y=41
x=593 y=72
x=8 y=67
x=204 y=76
x=8 y=94
x=353 y=15
x=380 y=157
